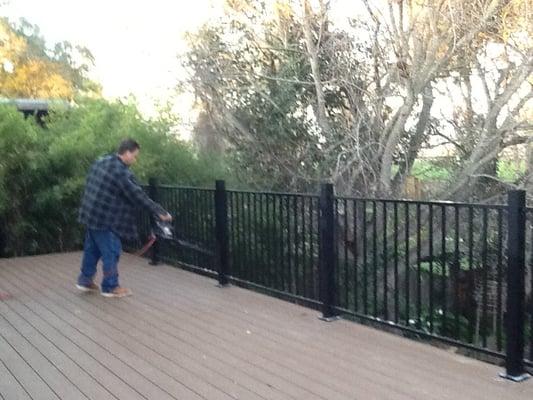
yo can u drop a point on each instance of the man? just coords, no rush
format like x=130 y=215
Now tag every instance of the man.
x=108 y=212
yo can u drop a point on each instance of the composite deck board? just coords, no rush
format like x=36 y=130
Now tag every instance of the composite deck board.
x=201 y=342
x=148 y=380
x=56 y=378
x=298 y=360
x=104 y=376
x=50 y=348
x=125 y=334
x=302 y=366
x=308 y=381
x=10 y=388
x=24 y=373
x=181 y=337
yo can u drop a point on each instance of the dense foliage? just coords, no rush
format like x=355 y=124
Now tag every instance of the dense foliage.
x=42 y=170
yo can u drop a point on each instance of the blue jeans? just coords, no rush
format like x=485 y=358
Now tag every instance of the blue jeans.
x=105 y=245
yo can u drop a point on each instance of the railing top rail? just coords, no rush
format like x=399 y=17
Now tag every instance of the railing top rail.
x=439 y=203
x=312 y=195
x=426 y=202
x=203 y=189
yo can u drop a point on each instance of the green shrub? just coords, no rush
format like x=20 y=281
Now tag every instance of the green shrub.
x=428 y=170
x=42 y=170
x=510 y=171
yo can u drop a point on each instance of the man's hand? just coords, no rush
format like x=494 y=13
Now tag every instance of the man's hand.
x=165 y=217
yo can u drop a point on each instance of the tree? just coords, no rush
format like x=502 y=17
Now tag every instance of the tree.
x=30 y=69
x=249 y=85
x=299 y=99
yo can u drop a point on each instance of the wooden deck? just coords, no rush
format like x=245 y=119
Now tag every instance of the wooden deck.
x=181 y=337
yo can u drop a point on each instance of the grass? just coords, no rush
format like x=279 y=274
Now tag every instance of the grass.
x=441 y=170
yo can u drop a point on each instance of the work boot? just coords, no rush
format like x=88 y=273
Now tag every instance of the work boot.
x=118 y=292
x=91 y=287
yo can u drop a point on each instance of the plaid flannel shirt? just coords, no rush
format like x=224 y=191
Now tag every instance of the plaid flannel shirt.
x=112 y=198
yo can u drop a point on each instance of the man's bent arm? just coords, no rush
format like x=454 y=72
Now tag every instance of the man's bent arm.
x=137 y=196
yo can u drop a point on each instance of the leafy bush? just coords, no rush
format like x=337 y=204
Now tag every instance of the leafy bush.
x=42 y=170
x=431 y=170
x=511 y=170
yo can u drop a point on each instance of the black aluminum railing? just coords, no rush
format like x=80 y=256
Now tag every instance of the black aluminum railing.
x=459 y=273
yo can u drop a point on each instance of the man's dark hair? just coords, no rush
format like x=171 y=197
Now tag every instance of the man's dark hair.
x=128 y=145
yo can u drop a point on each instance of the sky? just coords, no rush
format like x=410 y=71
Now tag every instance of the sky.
x=135 y=43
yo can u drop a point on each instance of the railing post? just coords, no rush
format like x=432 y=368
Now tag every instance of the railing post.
x=221 y=232
x=154 y=195
x=515 y=313
x=2 y=239
x=327 y=252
